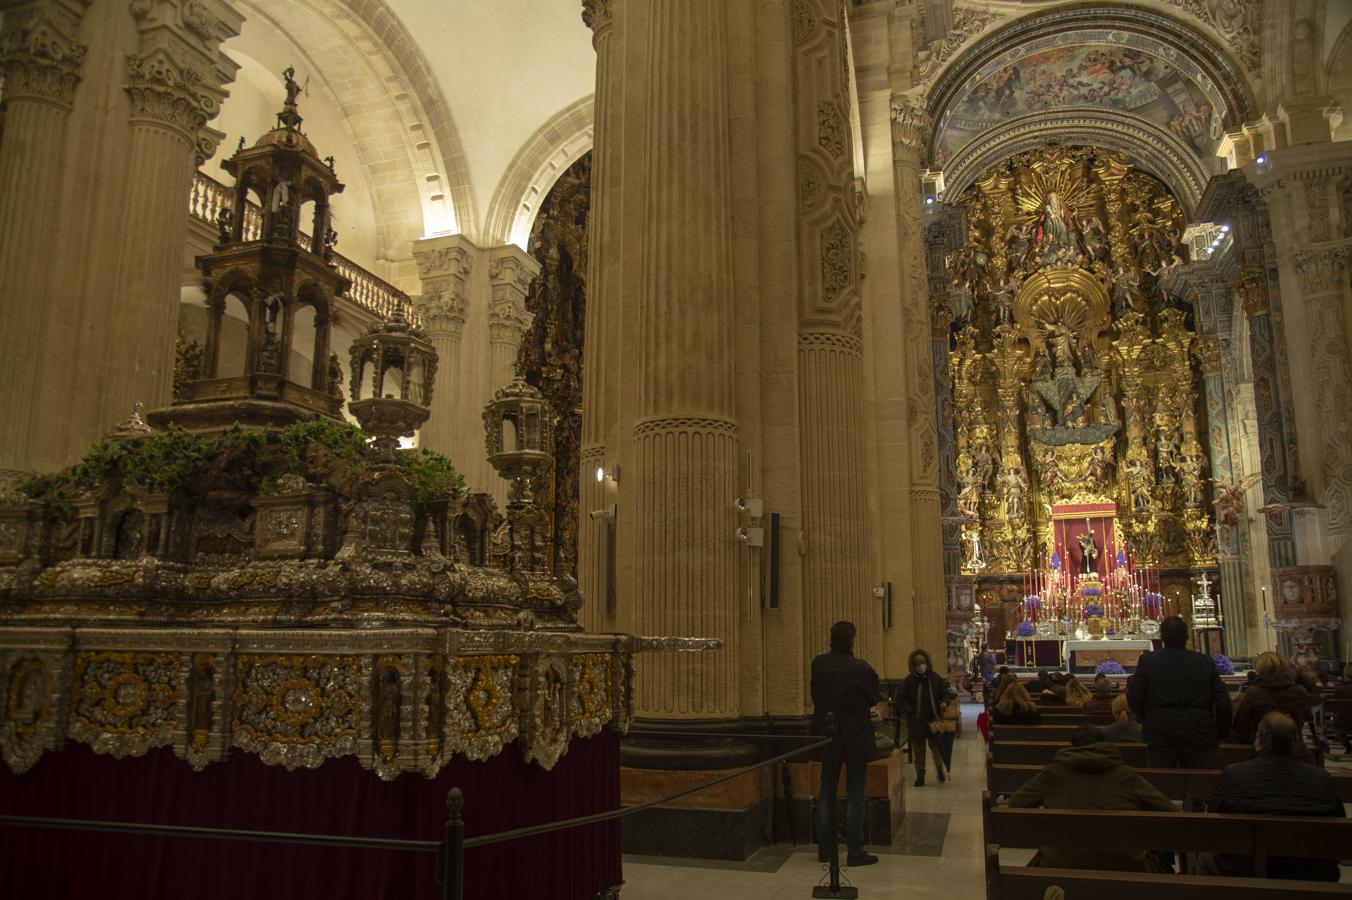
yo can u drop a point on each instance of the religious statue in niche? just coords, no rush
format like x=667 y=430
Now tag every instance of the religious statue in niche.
x=1088 y=553
x=1069 y=358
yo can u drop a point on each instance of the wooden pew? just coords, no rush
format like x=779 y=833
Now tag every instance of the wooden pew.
x=1039 y=753
x=1023 y=883
x=1256 y=836
x=1176 y=784
x=1045 y=732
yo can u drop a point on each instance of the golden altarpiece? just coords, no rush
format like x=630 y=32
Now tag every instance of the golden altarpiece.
x=1074 y=386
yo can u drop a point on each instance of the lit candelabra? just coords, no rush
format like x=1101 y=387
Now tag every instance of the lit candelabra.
x=1127 y=600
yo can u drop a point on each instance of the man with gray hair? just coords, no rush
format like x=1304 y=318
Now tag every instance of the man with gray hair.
x=1276 y=783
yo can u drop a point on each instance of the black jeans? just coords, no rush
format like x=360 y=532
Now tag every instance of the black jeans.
x=1178 y=756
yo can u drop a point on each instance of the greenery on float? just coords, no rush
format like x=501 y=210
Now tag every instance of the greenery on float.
x=246 y=460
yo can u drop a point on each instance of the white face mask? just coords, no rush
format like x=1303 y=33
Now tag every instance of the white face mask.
x=922 y=668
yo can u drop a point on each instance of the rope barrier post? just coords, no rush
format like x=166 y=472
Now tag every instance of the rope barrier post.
x=453 y=849
x=833 y=889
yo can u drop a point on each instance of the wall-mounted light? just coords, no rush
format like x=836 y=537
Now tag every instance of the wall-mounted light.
x=1261 y=160
x=613 y=473
x=752 y=506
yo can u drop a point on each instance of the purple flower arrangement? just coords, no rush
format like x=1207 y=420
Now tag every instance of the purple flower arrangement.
x=1093 y=610
x=1091 y=592
x=1032 y=601
x=1109 y=667
x=1024 y=629
x=1224 y=665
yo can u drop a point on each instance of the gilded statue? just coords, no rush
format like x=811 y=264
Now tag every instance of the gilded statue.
x=1014 y=486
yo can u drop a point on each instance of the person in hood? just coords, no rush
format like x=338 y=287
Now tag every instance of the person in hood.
x=1274 y=690
x=920 y=698
x=1090 y=774
x=844 y=692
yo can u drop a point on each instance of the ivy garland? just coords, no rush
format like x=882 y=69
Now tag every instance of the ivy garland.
x=175 y=461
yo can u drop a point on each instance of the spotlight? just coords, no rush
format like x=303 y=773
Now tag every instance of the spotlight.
x=1224 y=229
x=1261 y=159
x=600 y=473
x=929 y=201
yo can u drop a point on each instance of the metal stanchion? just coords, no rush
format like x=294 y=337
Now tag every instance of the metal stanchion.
x=453 y=849
x=833 y=890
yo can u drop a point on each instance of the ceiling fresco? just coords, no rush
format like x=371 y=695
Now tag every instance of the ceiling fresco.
x=1108 y=69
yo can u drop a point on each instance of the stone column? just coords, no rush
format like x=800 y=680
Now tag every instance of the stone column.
x=602 y=288
x=910 y=133
x=175 y=80
x=510 y=272
x=444 y=266
x=1230 y=535
x=835 y=545
x=41 y=61
x=685 y=429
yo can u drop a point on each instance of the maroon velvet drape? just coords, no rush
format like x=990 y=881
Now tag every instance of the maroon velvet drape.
x=339 y=797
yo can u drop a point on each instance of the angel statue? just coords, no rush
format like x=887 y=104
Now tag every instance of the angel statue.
x=1061 y=344
x=1229 y=500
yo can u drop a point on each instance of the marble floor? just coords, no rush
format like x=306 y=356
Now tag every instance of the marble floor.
x=937 y=854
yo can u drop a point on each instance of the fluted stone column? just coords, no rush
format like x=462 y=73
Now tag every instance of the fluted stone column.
x=910 y=130
x=41 y=60
x=1304 y=189
x=602 y=290
x=835 y=515
x=684 y=482
x=175 y=80
x=445 y=264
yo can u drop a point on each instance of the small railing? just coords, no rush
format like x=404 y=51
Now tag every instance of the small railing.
x=209 y=197
x=451 y=848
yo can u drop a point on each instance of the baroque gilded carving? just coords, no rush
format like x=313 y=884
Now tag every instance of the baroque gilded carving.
x=40 y=55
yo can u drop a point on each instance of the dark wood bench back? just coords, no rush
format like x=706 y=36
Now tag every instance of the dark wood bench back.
x=1335 y=707
x=1045 y=732
x=1039 y=753
x=1022 y=883
x=1312 y=836
x=1176 y=784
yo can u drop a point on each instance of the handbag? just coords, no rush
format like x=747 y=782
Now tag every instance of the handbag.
x=943 y=723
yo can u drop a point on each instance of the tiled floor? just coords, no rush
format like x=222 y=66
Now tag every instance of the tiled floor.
x=937 y=854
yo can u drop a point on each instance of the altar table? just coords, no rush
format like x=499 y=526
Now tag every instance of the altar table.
x=1088 y=654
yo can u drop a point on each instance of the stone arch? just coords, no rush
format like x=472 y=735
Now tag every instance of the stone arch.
x=1197 y=60
x=1154 y=149
x=380 y=81
x=548 y=153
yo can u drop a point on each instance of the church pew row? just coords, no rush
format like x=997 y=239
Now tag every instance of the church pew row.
x=1024 y=883
x=1039 y=753
x=1043 y=732
x=1182 y=832
x=1176 y=784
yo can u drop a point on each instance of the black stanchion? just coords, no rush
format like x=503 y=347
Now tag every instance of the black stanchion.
x=833 y=890
x=453 y=849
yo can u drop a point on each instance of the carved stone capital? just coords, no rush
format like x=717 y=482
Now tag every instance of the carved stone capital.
x=511 y=268
x=176 y=78
x=1251 y=286
x=441 y=310
x=39 y=53
x=597 y=15
x=1321 y=270
x=910 y=126
x=1208 y=350
x=508 y=318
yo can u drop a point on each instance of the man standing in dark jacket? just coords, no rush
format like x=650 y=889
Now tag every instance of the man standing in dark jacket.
x=1180 y=700
x=1276 y=783
x=845 y=688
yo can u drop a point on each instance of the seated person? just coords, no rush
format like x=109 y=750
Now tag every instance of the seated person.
x=1100 y=705
x=1015 y=707
x=1055 y=691
x=1039 y=684
x=1124 y=728
x=1274 y=690
x=1077 y=695
x=1342 y=724
x=1090 y=774
x=1275 y=783
x=997 y=690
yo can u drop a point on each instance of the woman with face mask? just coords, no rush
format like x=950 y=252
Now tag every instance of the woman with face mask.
x=921 y=698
